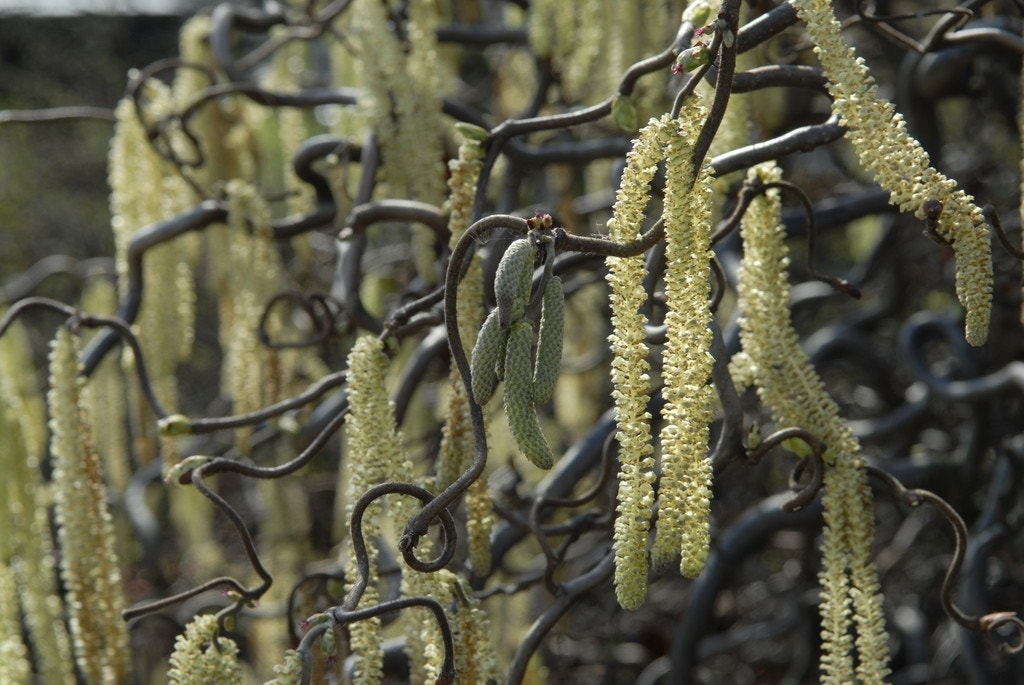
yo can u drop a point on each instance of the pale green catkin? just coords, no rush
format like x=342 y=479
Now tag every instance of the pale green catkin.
x=201 y=656
x=512 y=281
x=488 y=354
x=85 y=528
x=14 y=664
x=549 y=341
x=519 y=412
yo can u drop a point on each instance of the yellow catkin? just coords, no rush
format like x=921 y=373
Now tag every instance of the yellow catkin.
x=249 y=367
x=630 y=374
x=684 y=489
x=457 y=443
x=226 y=128
x=457 y=436
x=789 y=386
x=428 y=76
x=423 y=637
x=145 y=189
x=475 y=661
x=541 y=26
x=901 y=166
x=372 y=454
x=89 y=559
x=404 y=95
x=222 y=125
x=23 y=417
x=194 y=48
x=287 y=75
x=14 y=665
x=105 y=394
x=581 y=79
x=289 y=671
x=422 y=634
x=202 y=657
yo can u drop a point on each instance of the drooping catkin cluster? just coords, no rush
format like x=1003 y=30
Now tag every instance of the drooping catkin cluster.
x=684 y=487
x=373 y=454
x=504 y=346
x=901 y=165
x=89 y=558
x=787 y=383
x=684 y=491
x=202 y=657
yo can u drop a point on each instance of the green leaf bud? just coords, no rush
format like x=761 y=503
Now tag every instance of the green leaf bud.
x=175 y=424
x=472 y=131
x=691 y=58
x=697 y=13
x=315 y=620
x=798 y=447
x=624 y=113
x=327 y=642
x=181 y=473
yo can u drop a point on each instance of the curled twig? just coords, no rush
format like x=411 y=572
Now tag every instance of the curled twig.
x=447 y=672
x=571 y=592
x=117 y=327
x=840 y=284
x=317 y=306
x=406 y=545
x=992 y=216
x=806 y=494
x=978 y=624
